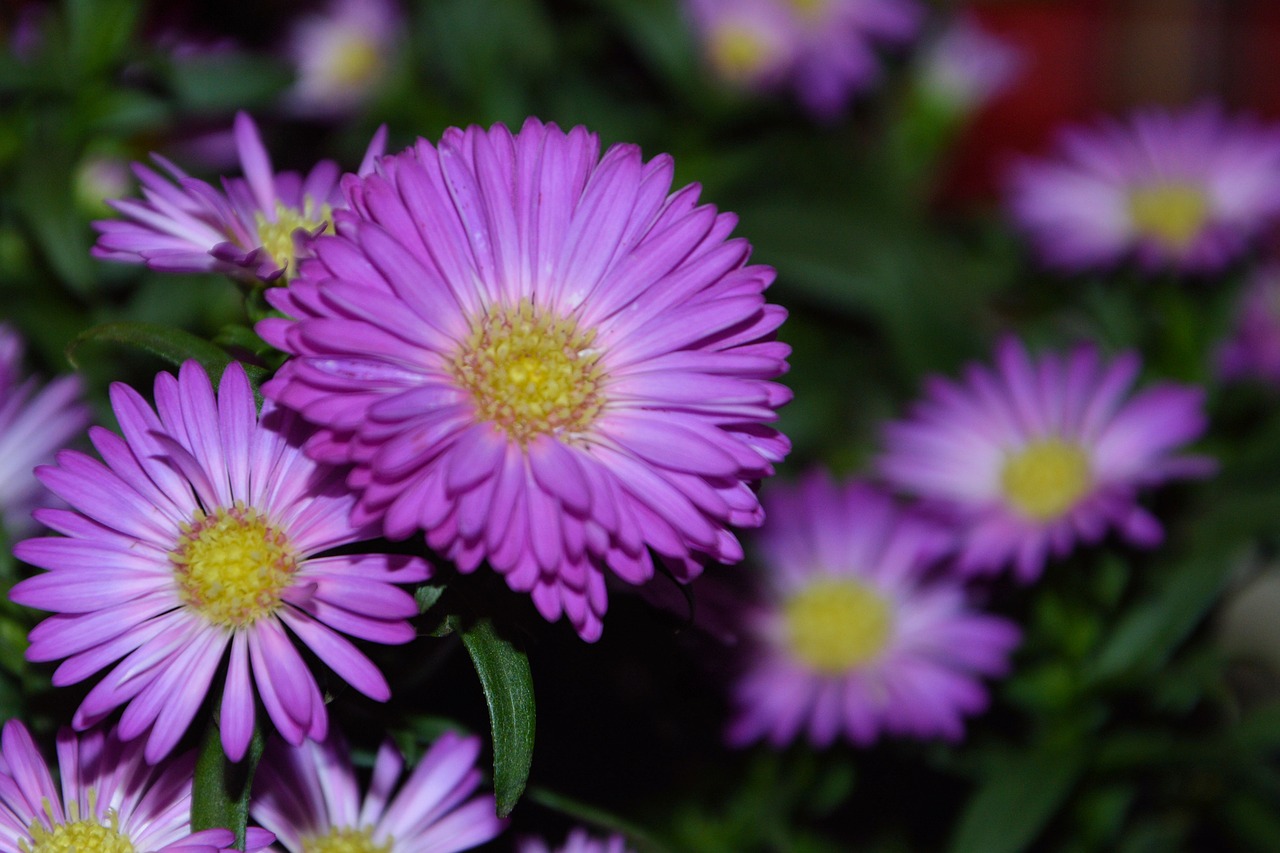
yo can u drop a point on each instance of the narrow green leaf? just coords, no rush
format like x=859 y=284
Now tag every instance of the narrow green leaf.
x=606 y=820
x=1019 y=795
x=508 y=691
x=173 y=345
x=220 y=792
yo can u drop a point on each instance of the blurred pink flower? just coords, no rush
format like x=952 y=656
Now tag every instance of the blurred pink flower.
x=963 y=66
x=342 y=55
x=1253 y=349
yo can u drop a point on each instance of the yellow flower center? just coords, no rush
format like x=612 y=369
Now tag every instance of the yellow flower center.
x=277 y=237
x=345 y=841
x=809 y=9
x=837 y=624
x=76 y=836
x=737 y=53
x=1046 y=478
x=232 y=566
x=356 y=63
x=531 y=373
x=1172 y=214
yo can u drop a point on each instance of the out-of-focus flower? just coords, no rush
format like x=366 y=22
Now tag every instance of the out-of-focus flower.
x=110 y=799
x=824 y=49
x=1181 y=191
x=964 y=66
x=1253 y=350
x=310 y=798
x=97 y=178
x=1038 y=453
x=34 y=424
x=197 y=536
x=578 y=841
x=342 y=55
x=256 y=228
x=850 y=640
x=540 y=357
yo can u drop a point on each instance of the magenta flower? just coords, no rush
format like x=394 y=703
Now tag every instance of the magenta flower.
x=309 y=797
x=1253 y=350
x=34 y=424
x=964 y=66
x=826 y=50
x=578 y=841
x=110 y=799
x=1037 y=454
x=258 y=227
x=196 y=536
x=850 y=640
x=1185 y=191
x=540 y=357
x=342 y=55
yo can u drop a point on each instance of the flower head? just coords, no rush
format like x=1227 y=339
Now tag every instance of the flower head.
x=309 y=797
x=824 y=49
x=257 y=227
x=1185 y=192
x=341 y=54
x=34 y=424
x=1039 y=453
x=850 y=640
x=540 y=357
x=578 y=841
x=1253 y=350
x=198 y=535
x=964 y=66
x=110 y=799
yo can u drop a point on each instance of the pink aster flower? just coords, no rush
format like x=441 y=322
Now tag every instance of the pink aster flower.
x=1037 y=454
x=257 y=227
x=110 y=799
x=541 y=357
x=309 y=797
x=1182 y=191
x=1253 y=350
x=578 y=841
x=850 y=639
x=34 y=424
x=964 y=66
x=194 y=541
x=826 y=50
x=342 y=54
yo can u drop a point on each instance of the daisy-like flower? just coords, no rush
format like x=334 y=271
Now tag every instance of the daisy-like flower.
x=1253 y=350
x=964 y=66
x=309 y=797
x=826 y=50
x=199 y=539
x=849 y=640
x=34 y=424
x=256 y=227
x=540 y=357
x=342 y=55
x=1184 y=192
x=110 y=799
x=1037 y=454
x=578 y=841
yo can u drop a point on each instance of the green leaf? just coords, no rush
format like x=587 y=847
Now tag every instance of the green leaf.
x=598 y=817
x=1021 y=792
x=508 y=691
x=172 y=345
x=220 y=792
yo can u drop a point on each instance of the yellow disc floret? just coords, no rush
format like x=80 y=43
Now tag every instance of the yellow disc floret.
x=1046 y=478
x=277 y=237
x=737 y=53
x=76 y=835
x=356 y=63
x=1172 y=214
x=836 y=625
x=345 y=840
x=530 y=372
x=809 y=9
x=232 y=566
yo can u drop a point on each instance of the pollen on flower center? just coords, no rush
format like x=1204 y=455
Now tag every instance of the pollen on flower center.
x=1046 y=478
x=277 y=237
x=1173 y=214
x=345 y=840
x=232 y=566
x=530 y=372
x=836 y=625
x=76 y=835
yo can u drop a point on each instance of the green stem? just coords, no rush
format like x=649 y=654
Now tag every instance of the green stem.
x=220 y=793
